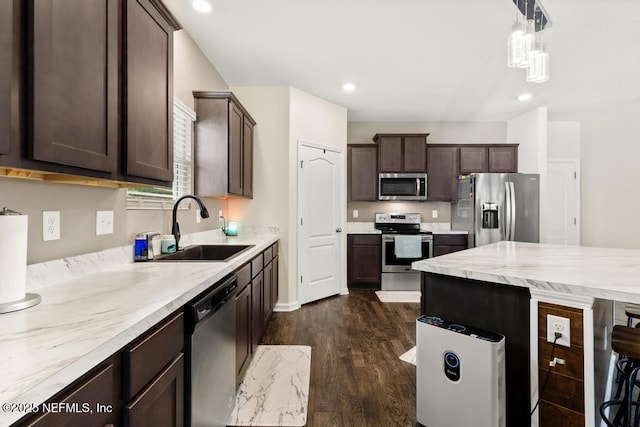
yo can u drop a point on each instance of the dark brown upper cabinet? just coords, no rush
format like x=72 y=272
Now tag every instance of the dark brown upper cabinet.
x=442 y=167
x=224 y=146
x=148 y=90
x=402 y=153
x=503 y=158
x=362 y=171
x=73 y=83
x=10 y=63
x=474 y=159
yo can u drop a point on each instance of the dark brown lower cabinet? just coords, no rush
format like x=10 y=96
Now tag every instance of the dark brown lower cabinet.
x=161 y=403
x=266 y=299
x=364 y=260
x=257 y=288
x=448 y=243
x=94 y=400
x=243 y=331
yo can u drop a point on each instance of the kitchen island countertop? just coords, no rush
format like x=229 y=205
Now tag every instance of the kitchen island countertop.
x=83 y=321
x=612 y=274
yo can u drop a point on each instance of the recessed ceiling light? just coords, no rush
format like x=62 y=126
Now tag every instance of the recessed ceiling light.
x=201 y=6
x=525 y=96
x=348 y=87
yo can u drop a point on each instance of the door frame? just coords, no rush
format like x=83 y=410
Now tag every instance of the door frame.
x=342 y=207
x=576 y=163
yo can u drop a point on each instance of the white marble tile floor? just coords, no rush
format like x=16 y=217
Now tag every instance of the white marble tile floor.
x=275 y=390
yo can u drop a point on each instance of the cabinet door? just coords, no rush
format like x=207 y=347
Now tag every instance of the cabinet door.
x=161 y=404
x=247 y=163
x=257 y=286
x=503 y=159
x=274 y=282
x=95 y=394
x=442 y=173
x=9 y=73
x=73 y=91
x=390 y=154
x=473 y=159
x=243 y=332
x=148 y=103
x=266 y=299
x=364 y=259
x=235 y=149
x=363 y=172
x=415 y=154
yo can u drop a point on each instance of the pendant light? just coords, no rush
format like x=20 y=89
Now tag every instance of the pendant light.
x=515 y=43
x=538 y=70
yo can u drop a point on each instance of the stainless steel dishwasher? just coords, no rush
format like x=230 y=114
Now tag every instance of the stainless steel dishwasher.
x=211 y=348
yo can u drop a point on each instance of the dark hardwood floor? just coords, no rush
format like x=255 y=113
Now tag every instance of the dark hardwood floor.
x=356 y=376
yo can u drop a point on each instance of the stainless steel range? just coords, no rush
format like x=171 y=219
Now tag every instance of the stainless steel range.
x=402 y=243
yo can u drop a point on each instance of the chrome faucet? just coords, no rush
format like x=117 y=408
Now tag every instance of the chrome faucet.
x=175 y=227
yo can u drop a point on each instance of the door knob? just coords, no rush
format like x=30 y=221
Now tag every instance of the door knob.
x=338 y=230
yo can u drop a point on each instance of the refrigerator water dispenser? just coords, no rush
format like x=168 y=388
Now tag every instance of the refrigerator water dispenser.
x=490 y=215
x=460 y=375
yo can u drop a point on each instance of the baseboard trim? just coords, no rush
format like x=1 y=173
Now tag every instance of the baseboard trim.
x=281 y=307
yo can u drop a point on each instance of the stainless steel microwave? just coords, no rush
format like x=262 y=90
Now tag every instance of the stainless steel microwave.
x=402 y=186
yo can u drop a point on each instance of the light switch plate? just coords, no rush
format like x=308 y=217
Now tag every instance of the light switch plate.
x=355 y=213
x=50 y=225
x=434 y=214
x=104 y=222
x=559 y=324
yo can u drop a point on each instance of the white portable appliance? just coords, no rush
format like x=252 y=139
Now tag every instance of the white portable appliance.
x=460 y=375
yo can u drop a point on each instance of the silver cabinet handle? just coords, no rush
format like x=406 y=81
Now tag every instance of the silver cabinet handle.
x=338 y=230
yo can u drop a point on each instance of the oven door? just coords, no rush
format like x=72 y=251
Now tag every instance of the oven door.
x=392 y=264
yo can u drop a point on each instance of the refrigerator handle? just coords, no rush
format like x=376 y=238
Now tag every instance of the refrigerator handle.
x=507 y=211
x=513 y=211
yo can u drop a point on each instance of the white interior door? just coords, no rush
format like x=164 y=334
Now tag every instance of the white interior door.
x=562 y=204
x=320 y=211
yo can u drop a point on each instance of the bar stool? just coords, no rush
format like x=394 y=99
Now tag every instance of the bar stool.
x=632 y=311
x=625 y=341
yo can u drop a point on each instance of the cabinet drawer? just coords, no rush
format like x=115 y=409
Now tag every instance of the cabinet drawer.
x=450 y=240
x=366 y=239
x=149 y=355
x=243 y=274
x=268 y=255
x=98 y=389
x=256 y=265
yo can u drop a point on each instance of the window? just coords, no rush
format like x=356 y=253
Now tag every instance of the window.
x=160 y=197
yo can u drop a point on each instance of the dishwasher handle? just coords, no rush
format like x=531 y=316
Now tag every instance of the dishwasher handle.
x=207 y=305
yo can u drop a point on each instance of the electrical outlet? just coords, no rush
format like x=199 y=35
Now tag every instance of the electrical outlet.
x=220 y=215
x=559 y=324
x=434 y=214
x=104 y=222
x=355 y=213
x=198 y=217
x=50 y=225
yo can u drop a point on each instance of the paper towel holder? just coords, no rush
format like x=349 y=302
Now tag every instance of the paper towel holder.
x=29 y=299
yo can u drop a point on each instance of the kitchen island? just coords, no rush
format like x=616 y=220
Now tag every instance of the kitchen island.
x=511 y=288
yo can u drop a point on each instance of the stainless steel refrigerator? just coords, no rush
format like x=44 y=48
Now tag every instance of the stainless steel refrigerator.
x=498 y=206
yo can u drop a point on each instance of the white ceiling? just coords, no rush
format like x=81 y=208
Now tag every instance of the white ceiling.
x=423 y=60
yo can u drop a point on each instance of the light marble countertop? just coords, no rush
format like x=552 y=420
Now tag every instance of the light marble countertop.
x=612 y=274
x=84 y=320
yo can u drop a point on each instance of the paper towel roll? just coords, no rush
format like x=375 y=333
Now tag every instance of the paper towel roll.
x=13 y=257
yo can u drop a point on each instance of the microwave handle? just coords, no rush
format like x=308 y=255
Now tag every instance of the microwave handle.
x=418 y=185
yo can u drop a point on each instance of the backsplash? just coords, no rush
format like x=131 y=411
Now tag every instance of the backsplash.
x=367 y=210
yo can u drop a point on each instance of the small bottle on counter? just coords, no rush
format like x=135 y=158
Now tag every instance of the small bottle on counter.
x=168 y=244
x=140 y=248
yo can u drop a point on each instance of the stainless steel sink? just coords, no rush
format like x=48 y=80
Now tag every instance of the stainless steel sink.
x=205 y=253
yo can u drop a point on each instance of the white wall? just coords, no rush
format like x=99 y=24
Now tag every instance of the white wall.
x=439 y=132
x=269 y=106
x=529 y=130
x=563 y=140
x=284 y=115
x=610 y=152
